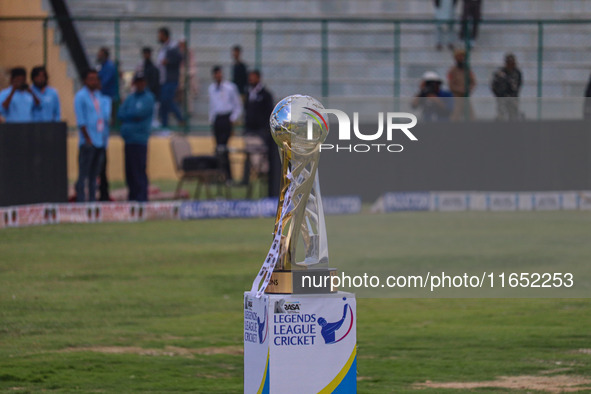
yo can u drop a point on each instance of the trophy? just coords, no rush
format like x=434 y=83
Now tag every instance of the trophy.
x=295 y=276
x=299 y=129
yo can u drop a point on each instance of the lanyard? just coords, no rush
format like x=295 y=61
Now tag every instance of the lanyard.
x=100 y=125
x=275 y=253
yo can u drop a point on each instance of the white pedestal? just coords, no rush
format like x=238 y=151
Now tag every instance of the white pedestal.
x=300 y=343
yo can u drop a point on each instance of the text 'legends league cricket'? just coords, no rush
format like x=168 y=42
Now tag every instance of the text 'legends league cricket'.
x=299 y=332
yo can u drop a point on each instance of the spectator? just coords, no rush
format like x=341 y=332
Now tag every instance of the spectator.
x=461 y=82
x=257 y=138
x=49 y=111
x=239 y=74
x=444 y=15
x=136 y=118
x=436 y=103
x=169 y=62
x=18 y=101
x=587 y=104
x=225 y=107
x=152 y=76
x=107 y=108
x=151 y=72
x=91 y=126
x=506 y=83
x=470 y=14
x=258 y=107
x=107 y=74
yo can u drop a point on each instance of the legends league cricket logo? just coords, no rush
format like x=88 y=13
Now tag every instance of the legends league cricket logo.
x=329 y=330
x=263 y=327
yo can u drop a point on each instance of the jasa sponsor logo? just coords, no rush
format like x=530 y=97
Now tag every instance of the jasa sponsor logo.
x=292 y=307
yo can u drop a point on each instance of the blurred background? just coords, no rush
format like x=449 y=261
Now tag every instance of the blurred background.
x=353 y=55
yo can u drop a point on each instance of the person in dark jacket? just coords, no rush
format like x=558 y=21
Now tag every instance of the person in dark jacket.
x=169 y=63
x=136 y=117
x=107 y=74
x=151 y=72
x=258 y=107
x=239 y=73
x=471 y=13
x=109 y=77
x=152 y=75
x=106 y=104
x=506 y=83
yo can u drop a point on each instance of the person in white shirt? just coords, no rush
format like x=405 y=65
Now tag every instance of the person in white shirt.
x=225 y=108
x=444 y=15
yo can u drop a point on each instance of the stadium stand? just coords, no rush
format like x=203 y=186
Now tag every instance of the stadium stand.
x=360 y=55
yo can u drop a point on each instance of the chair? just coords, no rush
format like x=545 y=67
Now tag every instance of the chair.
x=206 y=170
x=256 y=163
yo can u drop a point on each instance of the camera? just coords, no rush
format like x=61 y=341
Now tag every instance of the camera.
x=430 y=88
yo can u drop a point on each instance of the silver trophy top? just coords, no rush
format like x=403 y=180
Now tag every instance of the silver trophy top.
x=289 y=124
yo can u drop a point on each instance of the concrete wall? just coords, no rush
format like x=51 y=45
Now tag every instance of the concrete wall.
x=472 y=156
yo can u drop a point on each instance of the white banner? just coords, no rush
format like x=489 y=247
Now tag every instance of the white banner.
x=477 y=201
x=483 y=201
x=585 y=200
x=547 y=201
x=502 y=201
x=300 y=343
x=449 y=201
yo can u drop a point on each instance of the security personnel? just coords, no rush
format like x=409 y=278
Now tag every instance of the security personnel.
x=136 y=119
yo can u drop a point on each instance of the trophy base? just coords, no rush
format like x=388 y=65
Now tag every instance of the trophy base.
x=313 y=281
x=285 y=350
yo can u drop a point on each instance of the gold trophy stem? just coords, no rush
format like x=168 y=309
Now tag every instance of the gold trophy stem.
x=292 y=223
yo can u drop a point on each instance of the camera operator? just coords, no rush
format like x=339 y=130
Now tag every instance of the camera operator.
x=436 y=103
x=18 y=101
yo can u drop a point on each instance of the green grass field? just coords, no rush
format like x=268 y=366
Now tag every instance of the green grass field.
x=157 y=306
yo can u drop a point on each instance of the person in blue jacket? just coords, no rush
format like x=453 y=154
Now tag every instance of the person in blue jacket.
x=136 y=119
x=436 y=103
x=49 y=110
x=109 y=76
x=107 y=73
